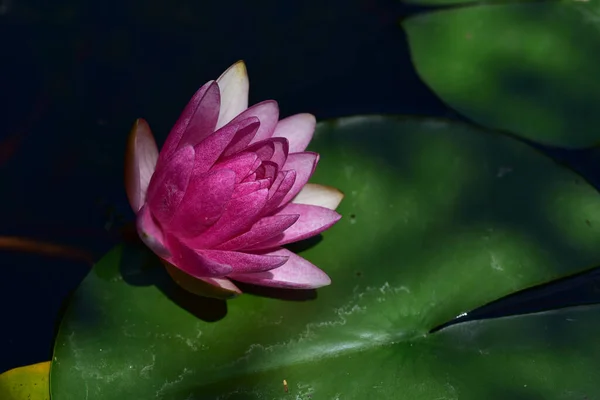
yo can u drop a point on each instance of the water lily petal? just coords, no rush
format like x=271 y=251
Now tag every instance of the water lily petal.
x=210 y=149
x=172 y=143
x=265 y=229
x=203 y=121
x=218 y=288
x=319 y=195
x=312 y=221
x=194 y=262
x=248 y=187
x=239 y=216
x=245 y=262
x=250 y=178
x=298 y=130
x=304 y=164
x=248 y=127
x=274 y=150
x=267 y=170
x=224 y=284
x=279 y=189
x=296 y=273
x=267 y=113
x=242 y=164
x=234 y=86
x=169 y=183
x=140 y=161
x=150 y=232
x=204 y=202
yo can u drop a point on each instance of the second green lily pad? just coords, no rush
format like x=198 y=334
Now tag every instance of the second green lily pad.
x=529 y=68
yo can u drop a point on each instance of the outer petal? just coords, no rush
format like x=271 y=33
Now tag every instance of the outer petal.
x=150 y=233
x=304 y=164
x=196 y=122
x=204 y=119
x=298 y=130
x=140 y=161
x=194 y=262
x=169 y=183
x=296 y=273
x=263 y=230
x=219 y=288
x=234 y=86
x=267 y=113
x=313 y=220
x=224 y=284
x=245 y=262
x=319 y=195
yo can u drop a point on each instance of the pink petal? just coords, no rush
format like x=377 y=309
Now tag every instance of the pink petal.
x=172 y=143
x=312 y=221
x=267 y=113
x=279 y=189
x=204 y=202
x=239 y=216
x=304 y=164
x=140 y=161
x=319 y=195
x=210 y=149
x=246 y=131
x=298 y=130
x=250 y=178
x=263 y=230
x=204 y=119
x=234 y=87
x=223 y=283
x=219 y=288
x=246 y=188
x=169 y=183
x=273 y=150
x=242 y=164
x=267 y=170
x=245 y=262
x=296 y=273
x=150 y=233
x=194 y=262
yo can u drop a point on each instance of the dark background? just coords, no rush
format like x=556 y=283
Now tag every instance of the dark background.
x=74 y=75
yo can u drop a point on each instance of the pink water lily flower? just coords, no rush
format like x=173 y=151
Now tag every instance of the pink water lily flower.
x=229 y=189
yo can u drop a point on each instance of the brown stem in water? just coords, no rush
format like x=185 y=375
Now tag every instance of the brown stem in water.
x=43 y=248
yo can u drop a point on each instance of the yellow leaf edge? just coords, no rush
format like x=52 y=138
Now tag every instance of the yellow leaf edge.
x=30 y=382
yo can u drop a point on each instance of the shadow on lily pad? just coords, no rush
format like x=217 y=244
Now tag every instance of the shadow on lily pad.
x=278 y=293
x=139 y=267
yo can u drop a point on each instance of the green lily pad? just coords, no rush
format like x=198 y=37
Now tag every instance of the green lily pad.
x=439 y=218
x=529 y=68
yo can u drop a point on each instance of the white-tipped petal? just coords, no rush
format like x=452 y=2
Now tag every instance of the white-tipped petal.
x=234 y=87
x=140 y=161
x=319 y=195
